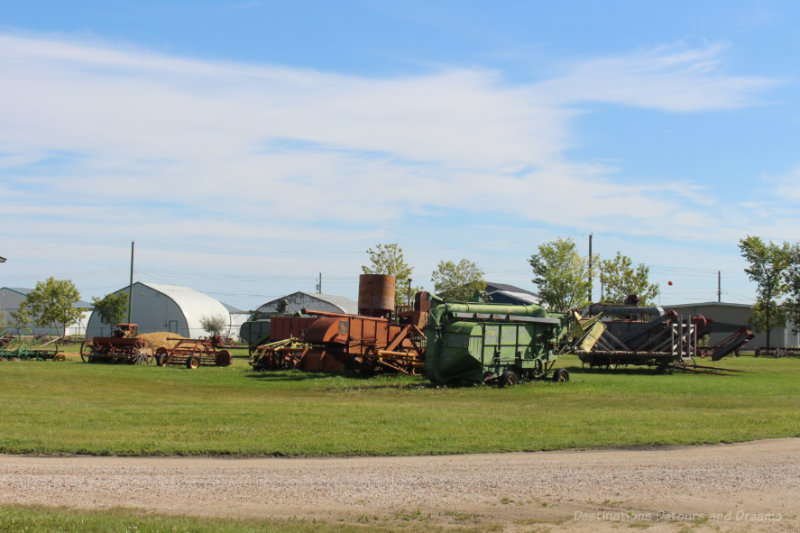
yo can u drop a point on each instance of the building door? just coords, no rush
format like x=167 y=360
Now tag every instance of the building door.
x=173 y=326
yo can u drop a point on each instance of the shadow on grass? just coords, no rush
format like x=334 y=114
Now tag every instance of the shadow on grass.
x=288 y=375
x=621 y=370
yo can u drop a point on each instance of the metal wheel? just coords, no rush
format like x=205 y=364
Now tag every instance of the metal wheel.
x=561 y=375
x=86 y=351
x=146 y=354
x=193 y=362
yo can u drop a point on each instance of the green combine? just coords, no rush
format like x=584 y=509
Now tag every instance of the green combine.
x=496 y=343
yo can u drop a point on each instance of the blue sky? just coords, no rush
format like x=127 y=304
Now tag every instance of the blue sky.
x=248 y=146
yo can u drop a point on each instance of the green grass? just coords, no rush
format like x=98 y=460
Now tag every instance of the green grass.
x=75 y=408
x=28 y=519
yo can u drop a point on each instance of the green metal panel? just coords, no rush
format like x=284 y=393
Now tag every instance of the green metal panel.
x=468 y=341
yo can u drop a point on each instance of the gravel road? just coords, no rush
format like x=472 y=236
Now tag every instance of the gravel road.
x=751 y=486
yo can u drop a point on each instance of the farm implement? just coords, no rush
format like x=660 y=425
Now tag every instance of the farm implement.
x=17 y=348
x=371 y=342
x=610 y=336
x=336 y=342
x=492 y=343
x=194 y=353
x=122 y=347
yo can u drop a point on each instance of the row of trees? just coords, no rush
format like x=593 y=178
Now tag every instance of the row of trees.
x=775 y=269
x=560 y=273
x=564 y=279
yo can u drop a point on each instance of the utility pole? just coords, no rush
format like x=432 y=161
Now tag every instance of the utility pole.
x=130 y=286
x=719 y=286
x=319 y=284
x=590 y=268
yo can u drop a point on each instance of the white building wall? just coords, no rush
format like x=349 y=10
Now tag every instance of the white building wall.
x=158 y=308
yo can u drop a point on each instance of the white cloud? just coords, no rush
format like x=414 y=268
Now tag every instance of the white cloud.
x=666 y=78
x=148 y=144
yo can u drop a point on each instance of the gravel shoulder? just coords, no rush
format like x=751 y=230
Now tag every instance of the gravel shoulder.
x=752 y=486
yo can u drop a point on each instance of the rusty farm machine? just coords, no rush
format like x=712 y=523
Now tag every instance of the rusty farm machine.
x=194 y=353
x=369 y=342
x=123 y=346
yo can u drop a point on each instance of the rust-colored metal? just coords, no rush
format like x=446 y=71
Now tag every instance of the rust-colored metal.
x=194 y=353
x=122 y=347
x=376 y=295
x=335 y=342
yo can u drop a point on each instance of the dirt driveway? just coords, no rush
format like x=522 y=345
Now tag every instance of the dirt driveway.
x=738 y=487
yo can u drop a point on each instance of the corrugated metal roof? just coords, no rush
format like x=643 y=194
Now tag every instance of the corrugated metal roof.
x=345 y=305
x=509 y=288
x=194 y=305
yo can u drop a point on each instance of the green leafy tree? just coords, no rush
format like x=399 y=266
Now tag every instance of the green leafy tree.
x=767 y=266
x=52 y=303
x=214 y=324
x=561 y=275
x=791 y=278
x=21 y=318
x=112 y=307
x=620 y=279
x=387 y=259
x=457 y=281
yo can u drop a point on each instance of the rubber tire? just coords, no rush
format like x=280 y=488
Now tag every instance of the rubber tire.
x=561 y=375
x=193 y=362
x=508 y=379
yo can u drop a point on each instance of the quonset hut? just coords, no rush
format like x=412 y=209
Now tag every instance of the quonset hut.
x=292 y=303
x=157 y=307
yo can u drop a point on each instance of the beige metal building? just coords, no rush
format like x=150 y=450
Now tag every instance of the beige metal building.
x=737 y=315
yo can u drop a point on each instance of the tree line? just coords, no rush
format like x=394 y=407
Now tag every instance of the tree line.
x=562 y=275
x=563 y=278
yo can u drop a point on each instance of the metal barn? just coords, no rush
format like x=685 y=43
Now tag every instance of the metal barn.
x=297 y=301
x=157 y=307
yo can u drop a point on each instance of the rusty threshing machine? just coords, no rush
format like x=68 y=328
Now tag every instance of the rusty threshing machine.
x=370 y=342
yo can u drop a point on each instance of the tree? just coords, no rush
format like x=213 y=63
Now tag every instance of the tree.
x=52 y=303
x=457 y=282
x=111 y=307
x=21 y=318
x=791 y=278
x=620 y=279
x=561 y=275
x=214 y=324
x=387 y=259
x=767 y=265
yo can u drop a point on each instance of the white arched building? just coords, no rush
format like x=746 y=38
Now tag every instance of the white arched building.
x=157 y=307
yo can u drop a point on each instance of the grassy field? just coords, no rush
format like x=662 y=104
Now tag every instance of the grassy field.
x=22 y=519
x=75 y=408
